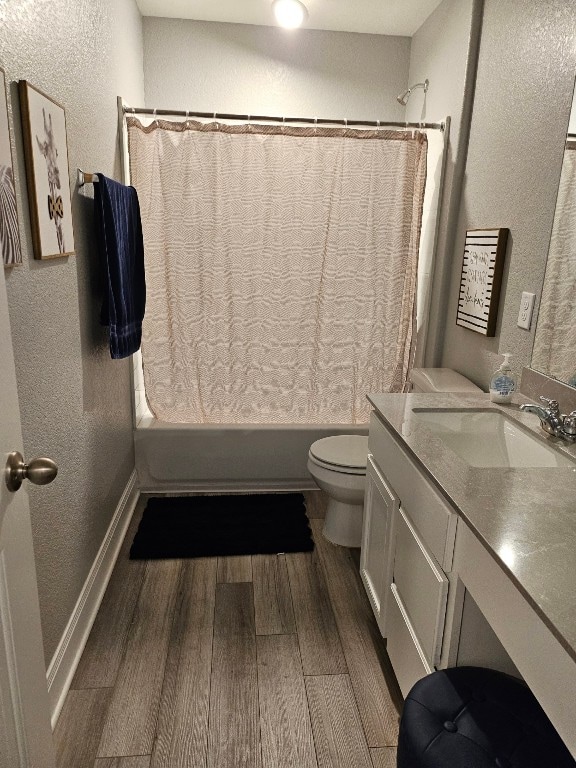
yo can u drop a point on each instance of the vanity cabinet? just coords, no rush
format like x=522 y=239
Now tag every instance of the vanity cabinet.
x=407 y=553
x=467 y=576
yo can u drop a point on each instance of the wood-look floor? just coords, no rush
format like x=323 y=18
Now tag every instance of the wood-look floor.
x=269 y=661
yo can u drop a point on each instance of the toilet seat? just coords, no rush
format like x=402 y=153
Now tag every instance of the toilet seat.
x=341 y=453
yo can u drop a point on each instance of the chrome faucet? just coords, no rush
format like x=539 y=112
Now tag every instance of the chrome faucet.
x=552 y=421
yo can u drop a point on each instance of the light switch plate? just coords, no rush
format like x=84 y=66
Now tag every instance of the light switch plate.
x=526 y=309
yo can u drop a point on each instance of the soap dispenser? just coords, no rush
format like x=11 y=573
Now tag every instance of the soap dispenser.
x=503 y=383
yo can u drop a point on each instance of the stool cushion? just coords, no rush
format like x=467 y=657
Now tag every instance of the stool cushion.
x=469 y=717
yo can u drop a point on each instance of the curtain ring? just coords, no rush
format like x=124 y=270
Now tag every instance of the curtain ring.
x=155 y=120
x=345 y=124
x=283 y=123
x=377 y=125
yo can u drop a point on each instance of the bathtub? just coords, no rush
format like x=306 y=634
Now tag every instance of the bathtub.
x=203 y=457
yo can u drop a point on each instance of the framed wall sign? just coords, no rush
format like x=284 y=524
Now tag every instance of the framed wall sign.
x=9 y=229
x=46 y=152
x=482 y=267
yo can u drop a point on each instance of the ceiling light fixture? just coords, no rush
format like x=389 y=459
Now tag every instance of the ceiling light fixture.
x=290 y=14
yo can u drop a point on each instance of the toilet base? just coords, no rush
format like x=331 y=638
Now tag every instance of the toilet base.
x=343 y=523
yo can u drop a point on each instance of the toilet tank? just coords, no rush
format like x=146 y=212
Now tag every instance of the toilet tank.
x=440 y=380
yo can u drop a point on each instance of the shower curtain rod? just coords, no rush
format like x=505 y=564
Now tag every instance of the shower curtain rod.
x=267 y=118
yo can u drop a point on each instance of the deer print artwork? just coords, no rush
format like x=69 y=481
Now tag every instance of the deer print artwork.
x=47 y=173
x=48 y=148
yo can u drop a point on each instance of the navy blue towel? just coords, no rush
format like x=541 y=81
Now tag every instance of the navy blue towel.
x=119 y=234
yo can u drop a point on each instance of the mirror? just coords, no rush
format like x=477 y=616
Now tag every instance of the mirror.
x=554 y=351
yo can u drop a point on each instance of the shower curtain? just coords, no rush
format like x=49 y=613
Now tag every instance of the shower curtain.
x=280 y=268
x=555 y=338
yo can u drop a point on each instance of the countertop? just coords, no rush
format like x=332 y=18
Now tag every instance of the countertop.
x=526 y=518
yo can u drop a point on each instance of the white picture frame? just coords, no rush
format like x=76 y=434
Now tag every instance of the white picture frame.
x=47 y=172
x=10 y=244
x=482 y=268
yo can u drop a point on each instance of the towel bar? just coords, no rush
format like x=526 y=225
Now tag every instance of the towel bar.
x=86 y=178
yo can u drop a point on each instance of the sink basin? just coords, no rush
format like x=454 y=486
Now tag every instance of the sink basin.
x=489 y=439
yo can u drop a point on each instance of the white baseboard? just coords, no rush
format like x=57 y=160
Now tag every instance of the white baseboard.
x=67 y=655
x=218 y=486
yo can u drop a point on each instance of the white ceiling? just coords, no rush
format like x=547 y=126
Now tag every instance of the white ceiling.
x=382 y=17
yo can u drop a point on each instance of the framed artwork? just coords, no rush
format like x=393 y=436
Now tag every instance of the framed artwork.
x=482 y=267
x=9 y=229
x=46 y=152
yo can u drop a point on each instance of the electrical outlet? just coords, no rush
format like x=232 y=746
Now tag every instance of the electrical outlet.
x=526 y=308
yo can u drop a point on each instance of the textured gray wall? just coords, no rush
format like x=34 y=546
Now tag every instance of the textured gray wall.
x=522 y=102
x=445 y=51
x=238 y=68
x=75 y=401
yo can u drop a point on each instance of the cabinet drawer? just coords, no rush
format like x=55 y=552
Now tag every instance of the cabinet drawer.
x=434 y=519
x=422 y=587
x=403 y=648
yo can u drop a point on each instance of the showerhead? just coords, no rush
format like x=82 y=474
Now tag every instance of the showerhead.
x=402 y=98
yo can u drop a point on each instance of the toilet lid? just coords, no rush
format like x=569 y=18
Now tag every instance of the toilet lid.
x=349 y=451
x=441 y=380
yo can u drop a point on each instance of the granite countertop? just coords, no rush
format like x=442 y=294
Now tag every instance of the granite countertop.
x=526 y=518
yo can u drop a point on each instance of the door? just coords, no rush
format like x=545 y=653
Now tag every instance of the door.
x=380 y=505
x=25 y=733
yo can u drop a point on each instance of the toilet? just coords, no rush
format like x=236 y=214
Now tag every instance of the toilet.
x=338 y=463
x=338 y=466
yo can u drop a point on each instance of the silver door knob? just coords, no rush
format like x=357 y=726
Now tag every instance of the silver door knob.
x=40 y=471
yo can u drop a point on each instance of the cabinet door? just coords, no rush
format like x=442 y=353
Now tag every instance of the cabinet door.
x=422 y=587
x=416 y=610
x=380 y=505
x=409 y=661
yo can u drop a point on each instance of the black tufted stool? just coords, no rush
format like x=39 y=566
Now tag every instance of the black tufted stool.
x=469 y=717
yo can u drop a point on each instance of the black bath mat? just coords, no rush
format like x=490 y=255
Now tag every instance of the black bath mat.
x=207 y=526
